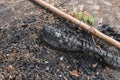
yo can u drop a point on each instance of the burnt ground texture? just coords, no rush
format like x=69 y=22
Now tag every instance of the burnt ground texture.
x=24 y=57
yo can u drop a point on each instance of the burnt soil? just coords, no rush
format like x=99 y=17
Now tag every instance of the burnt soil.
x=23 y=57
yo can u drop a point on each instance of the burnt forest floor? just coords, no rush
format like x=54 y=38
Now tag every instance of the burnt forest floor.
x=22 y=57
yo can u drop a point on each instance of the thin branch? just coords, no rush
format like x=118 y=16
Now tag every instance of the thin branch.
x=82 y=25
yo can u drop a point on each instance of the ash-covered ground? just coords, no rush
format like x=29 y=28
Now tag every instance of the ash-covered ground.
x=22 y=57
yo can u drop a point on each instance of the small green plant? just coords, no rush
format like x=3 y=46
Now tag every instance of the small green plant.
x=78 y=15
x=91 y=20
x=84 y=16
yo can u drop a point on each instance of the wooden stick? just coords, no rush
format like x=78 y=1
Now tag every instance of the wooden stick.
x=81 y=24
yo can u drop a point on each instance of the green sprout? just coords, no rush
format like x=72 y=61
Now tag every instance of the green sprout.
x=75 y=14
x=87 y=18
x=91 y=20
x=80 y=15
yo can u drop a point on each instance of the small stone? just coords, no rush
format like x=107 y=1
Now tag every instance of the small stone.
x=61 y=58
x=46 y=62
x=97 y=73
x=47 y=68
x=60 y=75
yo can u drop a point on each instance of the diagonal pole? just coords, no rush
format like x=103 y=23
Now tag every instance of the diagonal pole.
x=82 y=25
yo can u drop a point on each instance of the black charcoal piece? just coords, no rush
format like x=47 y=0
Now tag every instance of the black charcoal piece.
x=70 y=40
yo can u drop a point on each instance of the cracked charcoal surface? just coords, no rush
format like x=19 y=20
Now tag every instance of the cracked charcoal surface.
x=69 y=40
x=66 y=39
x=22 y=57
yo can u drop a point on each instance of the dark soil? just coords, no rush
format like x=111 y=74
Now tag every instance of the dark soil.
x=23 y=57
